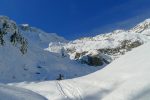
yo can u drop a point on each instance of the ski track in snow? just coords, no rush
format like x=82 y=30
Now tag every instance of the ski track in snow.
x=69 y=91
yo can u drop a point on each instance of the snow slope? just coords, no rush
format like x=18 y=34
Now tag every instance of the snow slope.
x=15 y=93
x=126 y=78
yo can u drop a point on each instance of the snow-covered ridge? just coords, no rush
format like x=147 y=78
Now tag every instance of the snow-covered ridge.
x=110 y=40
x=43 y=36
x=141 y=26
x=113 y=44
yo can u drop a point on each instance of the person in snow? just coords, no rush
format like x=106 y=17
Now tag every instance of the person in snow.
x=61 y=77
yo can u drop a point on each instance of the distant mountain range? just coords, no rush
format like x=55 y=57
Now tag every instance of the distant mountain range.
x=104 y=48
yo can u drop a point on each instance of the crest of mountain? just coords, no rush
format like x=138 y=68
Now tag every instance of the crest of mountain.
x=145 y=25
x=108 y=46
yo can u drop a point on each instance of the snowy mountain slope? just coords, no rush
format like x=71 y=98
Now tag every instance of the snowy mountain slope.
x=126 y=78
x=109 y=46
x=108 y=41
x=145 y=25
x=36 y=64
x=15 y=93
x=40 y=37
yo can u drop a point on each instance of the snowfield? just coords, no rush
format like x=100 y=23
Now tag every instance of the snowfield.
x=15 y=93
x=127 y=78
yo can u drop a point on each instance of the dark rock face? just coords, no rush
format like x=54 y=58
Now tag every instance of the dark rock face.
x=93 y=60
x=125 y=46
x=128 y=45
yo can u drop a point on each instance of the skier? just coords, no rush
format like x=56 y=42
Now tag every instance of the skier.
x=61 y=77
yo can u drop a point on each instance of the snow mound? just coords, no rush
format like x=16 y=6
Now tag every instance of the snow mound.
x=113 y=44
x=15 y=93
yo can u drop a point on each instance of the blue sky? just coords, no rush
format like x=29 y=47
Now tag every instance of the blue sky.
x=77 y=18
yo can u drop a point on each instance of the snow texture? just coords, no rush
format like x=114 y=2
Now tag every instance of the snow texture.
x=15 y=93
